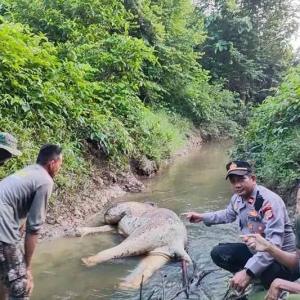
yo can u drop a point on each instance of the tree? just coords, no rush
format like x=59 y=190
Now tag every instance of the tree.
x=272 y=138
x=248 y=44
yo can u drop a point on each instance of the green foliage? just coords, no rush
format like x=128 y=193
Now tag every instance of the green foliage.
x=224 y=116
x=76 y=21
x=57 y=97
x=177 y=82
x=123 y=77
x=163 y=134
x=272 y=139
x=75 y=168
x=248 y=44
x=29 y=107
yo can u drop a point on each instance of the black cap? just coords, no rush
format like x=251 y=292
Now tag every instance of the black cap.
x=238 y=167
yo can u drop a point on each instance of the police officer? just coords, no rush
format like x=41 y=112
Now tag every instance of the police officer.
x=8 y=147
x=258 y=210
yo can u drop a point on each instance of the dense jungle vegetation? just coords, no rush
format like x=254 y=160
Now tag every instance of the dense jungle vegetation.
x=248 y=49
x=123 y=77
x=131 y=78
x=272 y=138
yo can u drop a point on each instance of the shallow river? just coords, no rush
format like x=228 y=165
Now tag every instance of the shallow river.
x=195 y=182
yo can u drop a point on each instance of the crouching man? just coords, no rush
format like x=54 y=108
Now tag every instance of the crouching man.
x=24 y=194
x=259 y=211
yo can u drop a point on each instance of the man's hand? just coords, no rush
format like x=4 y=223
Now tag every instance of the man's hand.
x=30 y=284
x=193 y=217
x=274 y=290
x=240 y=281
x=256 y=242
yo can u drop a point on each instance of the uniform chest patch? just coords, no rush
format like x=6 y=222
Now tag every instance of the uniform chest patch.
x=267 y=211
x=268 y=214
x=253 y=213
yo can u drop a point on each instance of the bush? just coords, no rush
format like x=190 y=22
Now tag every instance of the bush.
x=56 y=99
x=122 y=77
x=272 y=139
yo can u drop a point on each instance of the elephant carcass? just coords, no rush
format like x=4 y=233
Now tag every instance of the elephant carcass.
x=157 y=232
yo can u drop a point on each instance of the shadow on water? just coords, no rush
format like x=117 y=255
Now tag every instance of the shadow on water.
x=196 y=183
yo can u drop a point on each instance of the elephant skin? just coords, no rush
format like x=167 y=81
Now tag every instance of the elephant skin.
x=157 y=232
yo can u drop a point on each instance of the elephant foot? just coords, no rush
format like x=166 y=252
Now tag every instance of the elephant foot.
x=126 y=285
x=89 y=261
x=133 y=281
x=143 y=271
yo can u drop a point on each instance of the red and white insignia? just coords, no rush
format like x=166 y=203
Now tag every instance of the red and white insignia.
x=268 y=214
x=266 y=206
x=267 y=211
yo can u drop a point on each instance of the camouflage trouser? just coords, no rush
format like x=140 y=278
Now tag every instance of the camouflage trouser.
x=13 y=271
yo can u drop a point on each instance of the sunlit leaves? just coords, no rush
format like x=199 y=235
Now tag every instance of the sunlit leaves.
x=113 y=75
x=272 y=138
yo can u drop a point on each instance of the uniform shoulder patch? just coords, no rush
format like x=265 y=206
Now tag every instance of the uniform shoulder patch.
x=267 y=211
x=268 y=215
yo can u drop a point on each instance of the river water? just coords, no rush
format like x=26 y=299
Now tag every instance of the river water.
x=195 y=182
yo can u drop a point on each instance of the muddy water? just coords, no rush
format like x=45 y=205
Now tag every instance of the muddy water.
x=192 y=183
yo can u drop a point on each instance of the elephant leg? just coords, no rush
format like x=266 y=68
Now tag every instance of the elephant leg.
x=126 y=248
x=144 y=271
x=82 y=231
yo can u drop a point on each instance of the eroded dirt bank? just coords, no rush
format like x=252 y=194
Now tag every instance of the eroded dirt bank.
x=103 y=187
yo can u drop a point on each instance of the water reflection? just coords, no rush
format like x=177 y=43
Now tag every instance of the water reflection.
x=192 y=183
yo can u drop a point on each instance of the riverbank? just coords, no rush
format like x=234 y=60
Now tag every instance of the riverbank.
x=71 y=210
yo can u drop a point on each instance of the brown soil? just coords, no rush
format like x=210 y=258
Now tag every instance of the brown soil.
x=105 y=185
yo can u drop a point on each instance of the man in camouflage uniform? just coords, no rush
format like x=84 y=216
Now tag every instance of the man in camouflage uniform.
x=24 y=195
x=258 y=210
x=13 y=272
x=8 y=147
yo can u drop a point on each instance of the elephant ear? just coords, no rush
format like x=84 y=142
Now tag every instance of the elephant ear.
x=115 y=213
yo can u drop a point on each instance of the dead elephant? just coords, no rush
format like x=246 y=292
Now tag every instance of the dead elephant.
x=157 y=232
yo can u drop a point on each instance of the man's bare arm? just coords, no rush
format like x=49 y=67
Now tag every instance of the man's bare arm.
x=30 y=244
x=292 y=287
x=289 y=259
x=258 y=243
